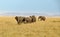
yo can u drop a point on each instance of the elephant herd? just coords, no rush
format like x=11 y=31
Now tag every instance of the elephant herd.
x=30 y=19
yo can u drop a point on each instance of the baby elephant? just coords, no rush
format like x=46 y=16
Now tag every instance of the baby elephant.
x=42 y=18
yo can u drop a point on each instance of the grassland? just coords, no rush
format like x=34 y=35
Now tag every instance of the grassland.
x=48 y=28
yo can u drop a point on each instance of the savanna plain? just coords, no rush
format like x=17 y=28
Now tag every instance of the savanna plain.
x=48 y=28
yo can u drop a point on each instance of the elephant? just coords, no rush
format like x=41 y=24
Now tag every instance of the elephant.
x=20 y=19
x=33 y=18
x=28 y=20
x=42 y=18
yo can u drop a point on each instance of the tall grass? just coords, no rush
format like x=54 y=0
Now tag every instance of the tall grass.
x=48 y=28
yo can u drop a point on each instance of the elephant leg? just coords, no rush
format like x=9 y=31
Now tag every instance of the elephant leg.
x=44 y=20
x=24 y=22
x=18 y=22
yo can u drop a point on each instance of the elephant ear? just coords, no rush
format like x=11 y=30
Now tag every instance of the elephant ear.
x=16 y=18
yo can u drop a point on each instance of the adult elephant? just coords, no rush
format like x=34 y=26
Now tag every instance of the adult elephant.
x=33 y=18
x=42 y=18
x=28 y=20
x=20 y=19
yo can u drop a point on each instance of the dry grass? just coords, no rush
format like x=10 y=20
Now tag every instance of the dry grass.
x=48 y=28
